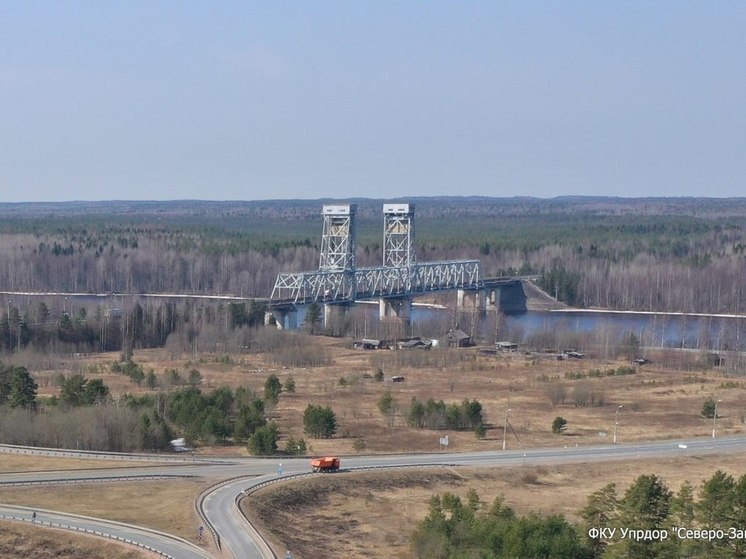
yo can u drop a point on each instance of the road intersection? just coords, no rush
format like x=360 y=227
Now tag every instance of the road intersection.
x=218 y=505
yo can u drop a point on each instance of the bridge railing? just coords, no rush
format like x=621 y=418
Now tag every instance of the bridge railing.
x=420 y=278
x=370 y=283
x=315 y=286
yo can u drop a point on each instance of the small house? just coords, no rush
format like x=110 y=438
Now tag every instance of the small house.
x=414 y=343
x=367 y=344
x=458 y=338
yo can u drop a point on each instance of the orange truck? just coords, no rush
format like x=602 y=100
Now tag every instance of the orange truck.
x=325 y=464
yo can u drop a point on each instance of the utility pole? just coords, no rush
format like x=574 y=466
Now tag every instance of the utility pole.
x=715 y=418
x=616 y=421
x=505 y=429
x=9 y=333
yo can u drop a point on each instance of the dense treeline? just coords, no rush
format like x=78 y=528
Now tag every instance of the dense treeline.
x=216 y=416
x=657 y=254
x=649 y=521
x=457 y=530
x=37 y=331
x=135 y=326
x=718 y=509
x=85 y=416
x=105 y=428
x=439 y=415
x=146 y=422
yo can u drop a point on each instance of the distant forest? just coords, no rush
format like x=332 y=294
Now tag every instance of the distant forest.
x=664 y=254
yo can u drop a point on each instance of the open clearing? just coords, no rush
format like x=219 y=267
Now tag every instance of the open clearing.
x=662 y=399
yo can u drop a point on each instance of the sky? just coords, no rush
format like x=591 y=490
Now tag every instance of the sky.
x=143 y=100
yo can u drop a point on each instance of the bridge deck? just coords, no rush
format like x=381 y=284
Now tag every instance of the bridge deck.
x=364 y=284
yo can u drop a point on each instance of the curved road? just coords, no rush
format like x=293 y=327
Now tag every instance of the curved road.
x=150 y=540
x=219 y=504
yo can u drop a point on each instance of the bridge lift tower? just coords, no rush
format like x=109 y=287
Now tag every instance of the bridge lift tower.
x=338 y=238
x=338 y=254
x=334 y=283
x=398 y=253
x=398 y=235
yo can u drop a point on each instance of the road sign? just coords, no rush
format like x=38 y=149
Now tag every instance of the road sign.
x=444 y=440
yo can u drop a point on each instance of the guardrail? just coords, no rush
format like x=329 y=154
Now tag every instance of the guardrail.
x=87 y=531
x=105 y=455
x=75 y=481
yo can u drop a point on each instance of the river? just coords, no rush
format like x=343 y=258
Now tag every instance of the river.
x=679 y=330
x=676 y=330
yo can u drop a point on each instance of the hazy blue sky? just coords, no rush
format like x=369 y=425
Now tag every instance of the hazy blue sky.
x=242 y=100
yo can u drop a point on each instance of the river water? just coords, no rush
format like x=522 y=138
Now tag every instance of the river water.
x=674 y=330
x=581 y=328
x=715 y=332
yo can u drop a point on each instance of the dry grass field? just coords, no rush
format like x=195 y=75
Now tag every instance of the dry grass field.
x=167 y=506
x=356 y=516
x=658 y=401
x=31 y=463
x=373 y=515
x=18 y=540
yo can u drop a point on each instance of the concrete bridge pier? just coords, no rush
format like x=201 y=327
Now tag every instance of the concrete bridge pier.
x=486 y=299
x=335 y=314
x=399 y=308
x=492 y=298
x=472 y=299
x=285 y=319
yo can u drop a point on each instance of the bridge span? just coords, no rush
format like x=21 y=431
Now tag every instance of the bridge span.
x=338 y=283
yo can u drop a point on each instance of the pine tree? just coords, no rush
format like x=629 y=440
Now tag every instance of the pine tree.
x=319 y=421
x=645 y=506
x=272 y=389
x=264 y=440
x=313 y=317
x=23 y=388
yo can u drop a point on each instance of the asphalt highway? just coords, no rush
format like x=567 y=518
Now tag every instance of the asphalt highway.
x=239 y=540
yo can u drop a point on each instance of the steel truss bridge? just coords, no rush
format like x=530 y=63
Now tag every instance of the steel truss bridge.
x=338 y=281
x=346 y=286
